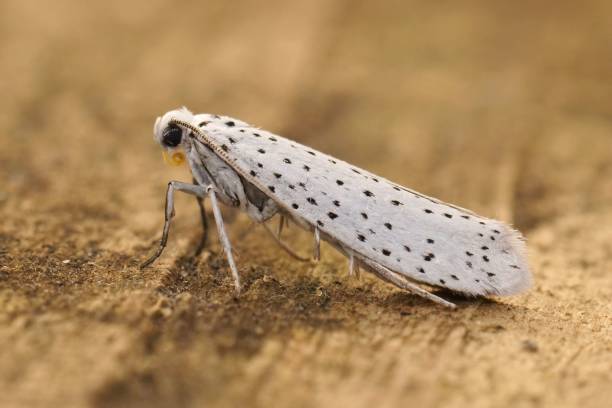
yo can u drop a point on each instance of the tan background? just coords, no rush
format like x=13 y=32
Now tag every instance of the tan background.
x=503 y=107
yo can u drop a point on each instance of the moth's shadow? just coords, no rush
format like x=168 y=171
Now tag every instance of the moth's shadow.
x=271 y=305
x=465 y=304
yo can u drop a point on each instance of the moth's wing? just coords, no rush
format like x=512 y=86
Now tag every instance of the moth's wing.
x=417 y=236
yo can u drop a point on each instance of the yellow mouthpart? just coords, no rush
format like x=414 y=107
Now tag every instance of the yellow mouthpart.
x=176 y=159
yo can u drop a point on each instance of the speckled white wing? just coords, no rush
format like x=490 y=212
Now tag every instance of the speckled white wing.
x=409 y=233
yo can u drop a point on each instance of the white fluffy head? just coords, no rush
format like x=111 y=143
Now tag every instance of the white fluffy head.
x=161 y=129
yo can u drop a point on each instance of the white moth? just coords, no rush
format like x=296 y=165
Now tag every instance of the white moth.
x=400 y=235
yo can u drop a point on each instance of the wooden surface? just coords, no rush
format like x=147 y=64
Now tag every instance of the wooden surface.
x=501 y=107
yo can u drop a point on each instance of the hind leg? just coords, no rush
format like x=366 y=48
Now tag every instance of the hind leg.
x=402 y=283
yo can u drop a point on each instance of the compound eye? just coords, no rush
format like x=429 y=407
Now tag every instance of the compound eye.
x=171 y=136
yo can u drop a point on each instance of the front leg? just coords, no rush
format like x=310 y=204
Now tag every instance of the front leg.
x=227 y=247
x=198 y=191
x=173 y=186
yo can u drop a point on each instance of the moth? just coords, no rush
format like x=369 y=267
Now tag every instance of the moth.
x=403 y=237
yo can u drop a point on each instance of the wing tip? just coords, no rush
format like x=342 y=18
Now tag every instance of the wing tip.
x=521 y=279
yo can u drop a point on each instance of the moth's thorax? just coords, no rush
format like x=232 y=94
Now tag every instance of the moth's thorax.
x=211 y=121
x=208 y=168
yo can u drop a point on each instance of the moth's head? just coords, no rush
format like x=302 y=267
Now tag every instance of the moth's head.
x=172 y=137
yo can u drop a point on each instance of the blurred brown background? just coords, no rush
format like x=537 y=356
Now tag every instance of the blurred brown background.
x=502 y=107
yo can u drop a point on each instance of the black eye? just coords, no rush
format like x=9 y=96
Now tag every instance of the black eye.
x=172 y=136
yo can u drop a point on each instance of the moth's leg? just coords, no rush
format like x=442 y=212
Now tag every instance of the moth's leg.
x=402 y=283
x=353 y=265
x=227 y=247
x=267 y=211
x=281 y=224
x=173 y=186
x=317 y=244
x=284 y=246
x=204 y=236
